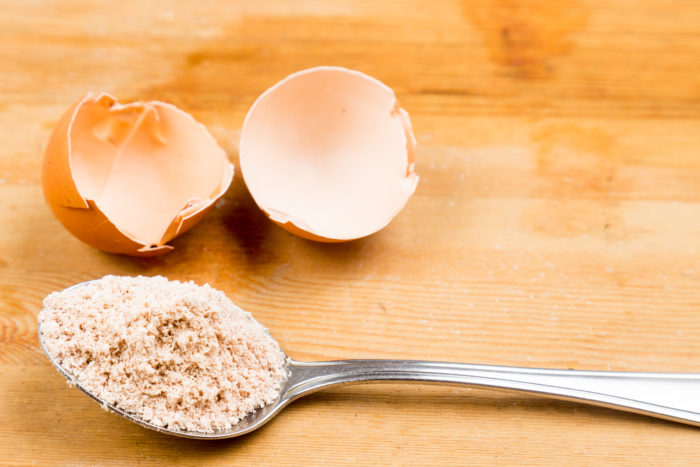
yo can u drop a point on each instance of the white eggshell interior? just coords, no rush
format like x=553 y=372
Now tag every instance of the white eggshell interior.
x=329 y=150
x=143 y=164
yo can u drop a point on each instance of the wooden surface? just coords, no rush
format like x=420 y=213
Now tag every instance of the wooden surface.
x=556 y=224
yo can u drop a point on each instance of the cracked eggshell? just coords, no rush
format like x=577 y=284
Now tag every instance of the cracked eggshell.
x=128 y=178
x=327 y=153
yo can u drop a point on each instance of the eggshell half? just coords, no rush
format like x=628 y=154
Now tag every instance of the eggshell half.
x=327 y=153
x=128 y=178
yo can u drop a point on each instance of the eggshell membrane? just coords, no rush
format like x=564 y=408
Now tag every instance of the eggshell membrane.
x=327 y=153
x=129 y=178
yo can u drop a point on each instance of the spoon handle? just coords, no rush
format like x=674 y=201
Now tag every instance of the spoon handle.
x=671 y=396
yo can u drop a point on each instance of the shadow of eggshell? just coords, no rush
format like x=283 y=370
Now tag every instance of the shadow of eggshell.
x=327 y=153
x=128 y=178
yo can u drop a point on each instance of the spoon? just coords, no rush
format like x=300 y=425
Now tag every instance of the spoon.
x=671 y=396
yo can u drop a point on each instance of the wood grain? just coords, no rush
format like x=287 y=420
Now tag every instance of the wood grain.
x=556 y=224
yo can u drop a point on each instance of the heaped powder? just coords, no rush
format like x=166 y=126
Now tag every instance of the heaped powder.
x=175 y=354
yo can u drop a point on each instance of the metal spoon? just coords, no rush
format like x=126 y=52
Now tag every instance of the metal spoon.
x=671 y=396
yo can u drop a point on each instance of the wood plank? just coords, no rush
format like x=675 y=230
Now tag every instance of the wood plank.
x=556 y=223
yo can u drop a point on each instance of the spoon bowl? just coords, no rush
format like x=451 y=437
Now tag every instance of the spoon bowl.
x=670 y=396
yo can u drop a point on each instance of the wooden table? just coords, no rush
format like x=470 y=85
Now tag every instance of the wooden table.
x=556 y=224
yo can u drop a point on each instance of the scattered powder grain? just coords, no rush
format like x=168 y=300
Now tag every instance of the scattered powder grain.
x=174 y=354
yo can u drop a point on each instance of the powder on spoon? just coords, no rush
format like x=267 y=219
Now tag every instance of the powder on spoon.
x=175 y=354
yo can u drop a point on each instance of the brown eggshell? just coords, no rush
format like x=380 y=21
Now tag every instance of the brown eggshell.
x=56 y=176
x=129 y=178
x=327 y=153
x=92 y=227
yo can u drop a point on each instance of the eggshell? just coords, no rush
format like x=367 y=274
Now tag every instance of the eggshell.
x=128 y=178
x=327 y=153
